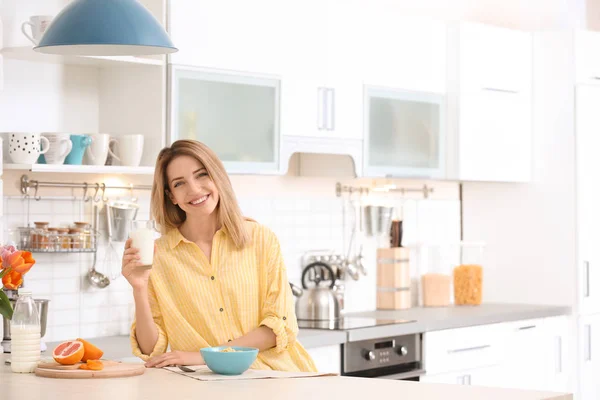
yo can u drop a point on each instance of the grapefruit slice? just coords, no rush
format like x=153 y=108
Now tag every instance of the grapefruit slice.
x=68 y=353
x=90 y=352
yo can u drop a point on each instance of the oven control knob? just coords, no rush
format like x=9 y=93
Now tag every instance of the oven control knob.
x=369 y=355
x=402 y=350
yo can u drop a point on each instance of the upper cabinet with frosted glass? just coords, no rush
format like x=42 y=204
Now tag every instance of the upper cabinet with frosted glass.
x=405 y=133
x=404 y=95
x=237 y=116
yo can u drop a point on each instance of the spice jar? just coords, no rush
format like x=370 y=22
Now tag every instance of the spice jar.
x=77 y=241
x=53 y=239
x=86 y=234
x=39 y=237
x=63 y=238
x=468 y=276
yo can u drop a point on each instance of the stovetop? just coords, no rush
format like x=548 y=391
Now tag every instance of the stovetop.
x=348 y=323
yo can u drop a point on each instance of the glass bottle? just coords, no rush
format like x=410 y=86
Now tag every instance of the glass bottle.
x=25 y=334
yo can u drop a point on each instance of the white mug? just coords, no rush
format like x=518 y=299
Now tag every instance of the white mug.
x=38 y=24
x=130 y=150
x=24 y=148
x=98 y=151
x=60 y=147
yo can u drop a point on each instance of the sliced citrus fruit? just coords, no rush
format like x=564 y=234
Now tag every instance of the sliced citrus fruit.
x=92 y=365
x=68 y=353
x=90 y=352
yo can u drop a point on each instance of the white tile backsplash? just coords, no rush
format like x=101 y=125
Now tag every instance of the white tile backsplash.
x=306 y=215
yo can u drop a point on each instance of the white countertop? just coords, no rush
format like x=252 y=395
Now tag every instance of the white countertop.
x=162 y=384
x=429 y=319
x=425 y=320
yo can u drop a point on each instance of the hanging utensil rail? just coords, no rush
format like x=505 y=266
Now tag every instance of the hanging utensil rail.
x=99 y=189
x=339 y=189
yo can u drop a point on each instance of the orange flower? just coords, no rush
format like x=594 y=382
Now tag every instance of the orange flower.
x=21 y=261
x=12 y=280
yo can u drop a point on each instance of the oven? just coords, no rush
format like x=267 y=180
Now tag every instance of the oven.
x=394 y=357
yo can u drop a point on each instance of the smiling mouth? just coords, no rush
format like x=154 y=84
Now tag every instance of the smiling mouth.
x=199 y=201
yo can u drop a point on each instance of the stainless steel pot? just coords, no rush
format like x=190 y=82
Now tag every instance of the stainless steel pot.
x=42 y=307
x=319 y=302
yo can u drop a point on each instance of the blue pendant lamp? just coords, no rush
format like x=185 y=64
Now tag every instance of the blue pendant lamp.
x=105 y=28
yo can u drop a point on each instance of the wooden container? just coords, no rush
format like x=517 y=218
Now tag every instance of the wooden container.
x=393 y=278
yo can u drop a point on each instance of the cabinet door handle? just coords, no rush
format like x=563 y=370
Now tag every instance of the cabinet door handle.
x=491 y=89
x=586 y=271
x=469 y=349
x=558 y=354
x=331 y=109
x=321 y=108
x=524 y=328
x=588 y=343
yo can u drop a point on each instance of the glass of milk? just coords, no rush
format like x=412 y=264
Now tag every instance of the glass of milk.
x=143 y=234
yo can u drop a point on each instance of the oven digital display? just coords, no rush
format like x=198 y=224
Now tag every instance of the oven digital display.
x=384 y=345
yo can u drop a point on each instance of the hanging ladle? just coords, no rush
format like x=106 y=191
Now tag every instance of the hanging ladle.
x=96 y=278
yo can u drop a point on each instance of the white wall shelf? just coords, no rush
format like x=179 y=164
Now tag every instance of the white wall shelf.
x=81 y=169
x=26 y=53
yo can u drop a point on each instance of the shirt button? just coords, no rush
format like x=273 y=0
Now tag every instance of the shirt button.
x=212 y=278
x=284 y=318
x=220 y=309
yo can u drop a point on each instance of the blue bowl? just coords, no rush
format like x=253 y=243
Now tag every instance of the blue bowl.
x=232 y=363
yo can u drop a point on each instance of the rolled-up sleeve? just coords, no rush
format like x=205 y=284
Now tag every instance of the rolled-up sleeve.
x=278 y=304
x=162 y=342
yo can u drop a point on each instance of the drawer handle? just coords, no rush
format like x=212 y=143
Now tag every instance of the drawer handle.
x=523 y=328
x=490 y=89
x=586 y=289
x=469 y=349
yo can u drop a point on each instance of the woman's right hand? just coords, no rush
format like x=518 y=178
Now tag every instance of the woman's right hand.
x=130 y=268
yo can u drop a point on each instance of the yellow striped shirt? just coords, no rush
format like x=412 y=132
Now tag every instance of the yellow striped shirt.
x=196 y=303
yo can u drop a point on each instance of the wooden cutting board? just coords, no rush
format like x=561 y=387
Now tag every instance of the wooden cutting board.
x=112 y=369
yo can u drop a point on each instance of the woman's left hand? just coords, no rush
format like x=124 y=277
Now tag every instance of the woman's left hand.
x=174 y=358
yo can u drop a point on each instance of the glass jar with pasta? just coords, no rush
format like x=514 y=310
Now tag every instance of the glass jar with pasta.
x=468 y=275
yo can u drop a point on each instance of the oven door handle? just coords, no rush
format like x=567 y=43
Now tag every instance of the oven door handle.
x=403 y=375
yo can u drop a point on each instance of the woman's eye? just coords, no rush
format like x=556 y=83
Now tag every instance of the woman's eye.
x=177 y=184
x=201 y=174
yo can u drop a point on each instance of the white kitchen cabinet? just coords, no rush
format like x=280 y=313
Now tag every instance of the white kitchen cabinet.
x=228 y=34
x=558 y=352
x=588 y=196
x=491 y=104
x=484 y=376
x=589 y=357
x=401 y=51
x=321 y=82
x=587 y=67
x=327 y=358
x=236 y=115
x=527 y=343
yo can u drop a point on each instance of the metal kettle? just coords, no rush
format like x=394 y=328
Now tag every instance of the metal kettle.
x=319 y=302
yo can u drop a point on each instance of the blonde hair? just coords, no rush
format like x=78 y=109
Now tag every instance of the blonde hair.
x=169 y=216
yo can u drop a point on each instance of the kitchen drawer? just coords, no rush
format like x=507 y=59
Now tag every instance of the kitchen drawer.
x=464 y=348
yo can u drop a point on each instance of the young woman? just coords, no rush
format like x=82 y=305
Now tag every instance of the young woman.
x=216 y=279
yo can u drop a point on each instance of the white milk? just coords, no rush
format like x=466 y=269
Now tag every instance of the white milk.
x=143 y=239
x=24 y=348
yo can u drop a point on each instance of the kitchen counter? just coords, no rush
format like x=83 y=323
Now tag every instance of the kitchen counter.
x=119 y=347
x=428 y=319
x=162 y=384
